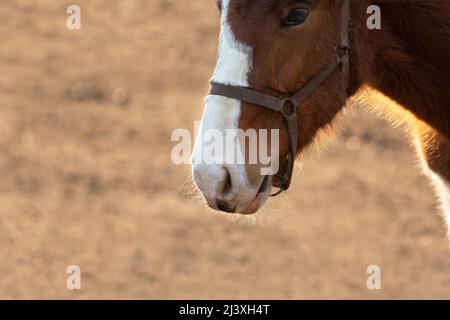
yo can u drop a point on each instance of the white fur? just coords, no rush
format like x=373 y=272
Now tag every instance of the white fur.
x=234 y=63
x=443 y=192
x=442 y=189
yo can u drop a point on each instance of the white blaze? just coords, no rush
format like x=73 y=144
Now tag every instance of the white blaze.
x=233 y=66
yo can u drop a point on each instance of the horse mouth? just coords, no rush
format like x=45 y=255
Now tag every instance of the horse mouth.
x=265 y=185
x=261 y=197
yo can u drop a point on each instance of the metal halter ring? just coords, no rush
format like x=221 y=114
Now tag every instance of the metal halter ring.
x=288 y=107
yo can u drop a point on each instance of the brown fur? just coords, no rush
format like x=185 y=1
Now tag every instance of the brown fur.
x=408 y=61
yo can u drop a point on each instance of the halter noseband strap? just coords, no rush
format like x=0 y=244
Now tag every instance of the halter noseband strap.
x=288 y=106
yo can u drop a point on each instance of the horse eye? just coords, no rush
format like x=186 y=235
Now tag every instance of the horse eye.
x=296 y=17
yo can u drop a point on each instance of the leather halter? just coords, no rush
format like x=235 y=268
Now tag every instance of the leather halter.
x=288 y=106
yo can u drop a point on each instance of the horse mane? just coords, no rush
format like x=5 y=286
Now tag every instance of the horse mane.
x=413 y=58
x=424 y=28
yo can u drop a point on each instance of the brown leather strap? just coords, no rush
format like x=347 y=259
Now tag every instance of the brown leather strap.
x=246 y=95
x=288 y=106
x=344 y=47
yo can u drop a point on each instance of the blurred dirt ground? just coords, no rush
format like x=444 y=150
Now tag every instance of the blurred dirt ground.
x=86 y=176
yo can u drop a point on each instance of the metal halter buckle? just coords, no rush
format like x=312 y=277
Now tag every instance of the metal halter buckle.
x=342 y=50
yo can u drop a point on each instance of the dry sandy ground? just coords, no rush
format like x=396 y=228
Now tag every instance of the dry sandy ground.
x=86 y=179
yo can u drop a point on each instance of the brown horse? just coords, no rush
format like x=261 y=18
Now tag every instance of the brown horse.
x=277 y=46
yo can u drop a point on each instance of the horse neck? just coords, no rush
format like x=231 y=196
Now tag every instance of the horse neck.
x=407 y=60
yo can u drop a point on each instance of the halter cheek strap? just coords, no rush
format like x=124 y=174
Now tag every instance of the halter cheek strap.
x=288 y=107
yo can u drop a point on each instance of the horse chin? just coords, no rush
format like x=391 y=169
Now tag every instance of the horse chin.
x=261 y=197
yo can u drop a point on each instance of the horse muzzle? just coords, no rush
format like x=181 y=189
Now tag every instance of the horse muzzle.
x=228 y=188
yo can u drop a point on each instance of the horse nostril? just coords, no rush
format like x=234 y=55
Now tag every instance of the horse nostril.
x=223 y=206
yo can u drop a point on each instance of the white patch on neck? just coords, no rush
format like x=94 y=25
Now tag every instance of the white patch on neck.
x=234 y=63
x=442 y=189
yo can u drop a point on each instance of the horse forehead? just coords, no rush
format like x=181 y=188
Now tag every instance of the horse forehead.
x=245 y=17
x=233 y=21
